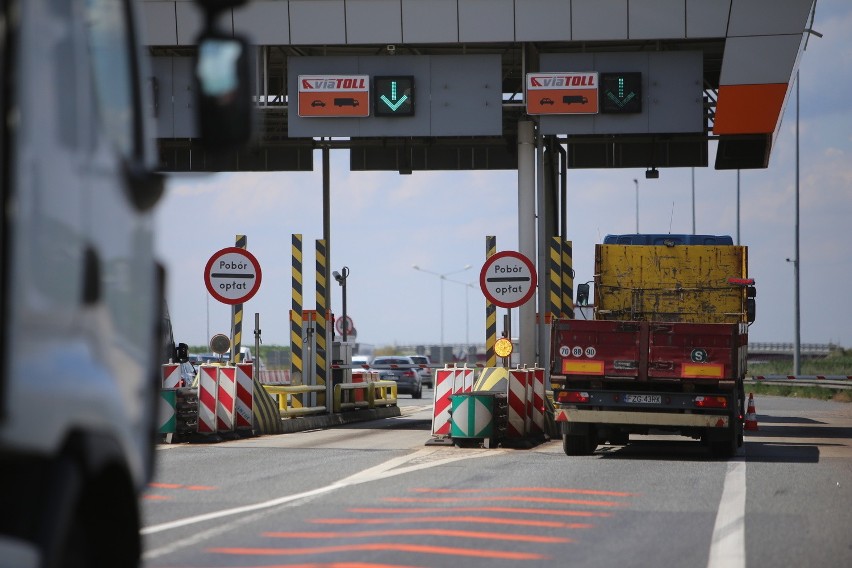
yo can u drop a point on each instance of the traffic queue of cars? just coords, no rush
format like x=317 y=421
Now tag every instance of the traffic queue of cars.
x=401 y=369
x=407 y=371
x=410 y=372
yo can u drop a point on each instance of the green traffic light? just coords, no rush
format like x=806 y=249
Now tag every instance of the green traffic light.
x=393 y=96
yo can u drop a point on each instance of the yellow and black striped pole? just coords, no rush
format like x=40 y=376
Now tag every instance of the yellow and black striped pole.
x=567 y=280
x=296 y=337
x=321 y=355
x=237 y=315
x=296 y=340
x=490 y=311
x=554 y=288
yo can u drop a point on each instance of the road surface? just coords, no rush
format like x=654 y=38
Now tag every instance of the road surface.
x=373 y=494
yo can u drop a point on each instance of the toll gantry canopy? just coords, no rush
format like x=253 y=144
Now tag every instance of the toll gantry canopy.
x=442 y=84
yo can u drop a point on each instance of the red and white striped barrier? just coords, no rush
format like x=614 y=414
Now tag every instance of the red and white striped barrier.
x=536 y=394
x=516 y=426
x=171 y=376
x=244 y=402
x=463 y=382
x=444 y=384
x=448 y=381
x=276 y=376
x=226 y=394
x=207 y=392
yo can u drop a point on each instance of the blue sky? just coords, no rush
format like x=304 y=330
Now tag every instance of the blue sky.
x=382 y=223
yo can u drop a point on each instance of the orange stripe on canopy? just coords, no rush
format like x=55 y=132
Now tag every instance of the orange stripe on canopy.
x=749 y=109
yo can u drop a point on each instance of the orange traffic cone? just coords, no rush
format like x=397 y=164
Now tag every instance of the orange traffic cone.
x=751 y=415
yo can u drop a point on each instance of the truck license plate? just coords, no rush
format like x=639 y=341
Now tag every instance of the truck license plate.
x=643 y=399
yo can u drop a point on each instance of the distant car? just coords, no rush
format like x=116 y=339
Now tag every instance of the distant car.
x=245 y=355
x=360 y=361
x=317 y=103
x=425 y=372
x=205 y=358
x=403 y=370
x=546 y=101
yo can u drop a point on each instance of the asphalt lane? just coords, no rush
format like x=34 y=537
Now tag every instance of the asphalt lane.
x=373 y=494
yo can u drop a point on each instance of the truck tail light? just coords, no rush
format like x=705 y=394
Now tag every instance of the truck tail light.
x=573 y=396
x=711 y=402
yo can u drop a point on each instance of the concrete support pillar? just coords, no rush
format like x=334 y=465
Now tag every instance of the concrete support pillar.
x=526 y=234
x=542 y=189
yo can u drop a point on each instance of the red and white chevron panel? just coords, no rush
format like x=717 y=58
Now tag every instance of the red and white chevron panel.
x=517 y=403
x=227 y=393
x=536 y=393
x=244 y=403
x=463 y=382
x=274 y=376
x=208 y=379
x=444 y=389
x=171 y=376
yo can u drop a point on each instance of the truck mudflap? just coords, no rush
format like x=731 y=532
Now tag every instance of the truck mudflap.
x=641 y=418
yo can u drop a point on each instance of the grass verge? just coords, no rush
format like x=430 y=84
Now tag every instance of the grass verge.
x=819 y=393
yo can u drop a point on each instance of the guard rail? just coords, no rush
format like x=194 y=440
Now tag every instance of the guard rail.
x=346 y=397
x=825 y=381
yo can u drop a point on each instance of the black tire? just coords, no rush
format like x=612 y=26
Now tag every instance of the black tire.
x=619 y=439
x=578 y=445
x=727 y=447
x=85 y=510
x=419 y=392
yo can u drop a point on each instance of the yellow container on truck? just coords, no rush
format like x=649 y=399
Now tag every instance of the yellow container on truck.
x=687 y=284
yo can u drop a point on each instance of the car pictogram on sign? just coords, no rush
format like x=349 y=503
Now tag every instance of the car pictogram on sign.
x=317 y=103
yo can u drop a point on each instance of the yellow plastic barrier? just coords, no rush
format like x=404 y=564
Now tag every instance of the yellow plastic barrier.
x=348 y=396
x=383 y=393
x=284 y=406
x=379 y=393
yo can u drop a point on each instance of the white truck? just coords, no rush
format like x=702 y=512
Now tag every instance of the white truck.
x=80 y=290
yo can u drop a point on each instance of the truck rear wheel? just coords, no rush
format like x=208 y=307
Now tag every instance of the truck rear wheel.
x=578 y=445
x=727 y=447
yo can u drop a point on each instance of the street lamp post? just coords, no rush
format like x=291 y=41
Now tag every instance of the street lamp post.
x=442 y=277
x=467 y=287
x=341 y=279
x=636 y=182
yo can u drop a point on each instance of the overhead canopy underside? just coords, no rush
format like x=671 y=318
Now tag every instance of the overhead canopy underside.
x=741 y=56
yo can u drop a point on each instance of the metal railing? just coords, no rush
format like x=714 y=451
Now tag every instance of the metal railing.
x=825 y=381
x=347 y=396
x=806 y=348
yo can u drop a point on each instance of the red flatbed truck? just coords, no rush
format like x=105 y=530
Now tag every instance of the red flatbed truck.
x=665 y=352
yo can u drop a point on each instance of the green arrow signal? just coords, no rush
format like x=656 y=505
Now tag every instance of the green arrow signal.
x=397 y=104
x=621 y=101
x=394 y=96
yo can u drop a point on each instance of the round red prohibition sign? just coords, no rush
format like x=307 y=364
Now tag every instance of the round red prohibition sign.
x=508 y=279
x=232 y=275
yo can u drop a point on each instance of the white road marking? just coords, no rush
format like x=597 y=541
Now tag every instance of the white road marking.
x=727 y=549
